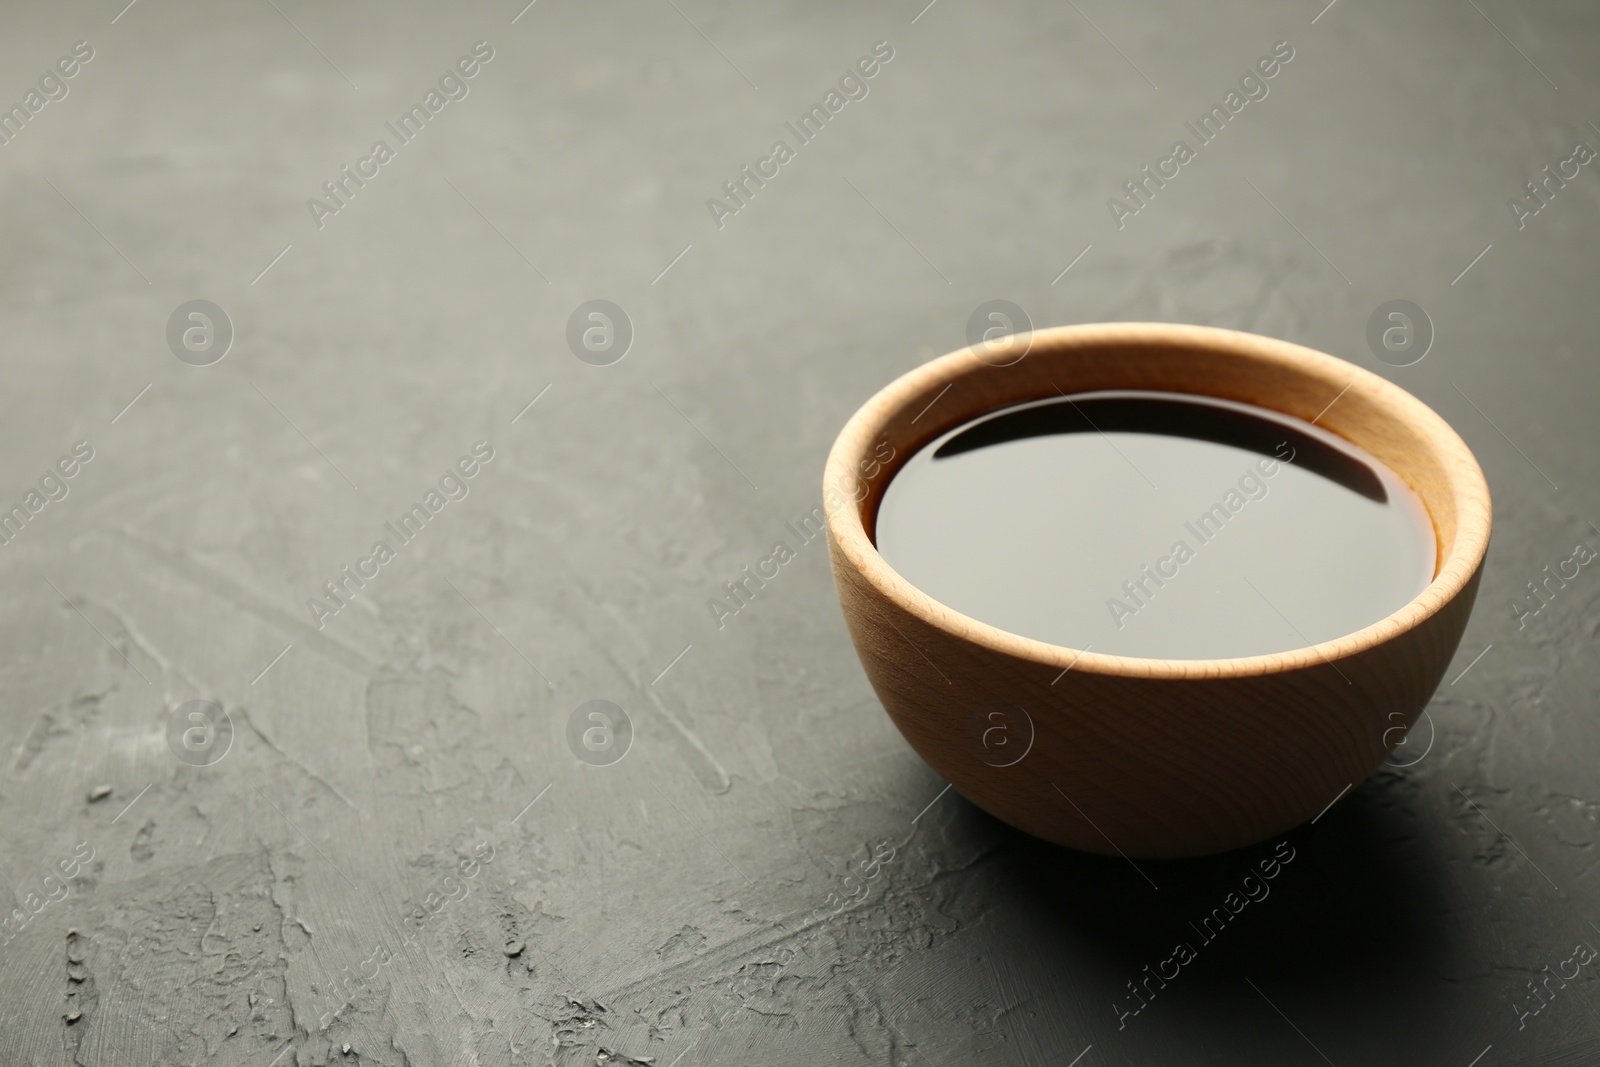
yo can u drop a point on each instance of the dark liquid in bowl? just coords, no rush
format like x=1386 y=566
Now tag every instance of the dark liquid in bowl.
x=1156 y=525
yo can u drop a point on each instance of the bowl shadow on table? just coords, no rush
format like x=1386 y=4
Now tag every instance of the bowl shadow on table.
x=1357 y=919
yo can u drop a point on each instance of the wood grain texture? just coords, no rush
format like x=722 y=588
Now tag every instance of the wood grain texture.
x=1147 y=757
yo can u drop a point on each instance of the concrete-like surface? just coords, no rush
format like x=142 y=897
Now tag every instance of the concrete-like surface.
x=677 y=907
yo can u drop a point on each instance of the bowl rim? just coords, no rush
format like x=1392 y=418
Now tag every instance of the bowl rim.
x=850 y=543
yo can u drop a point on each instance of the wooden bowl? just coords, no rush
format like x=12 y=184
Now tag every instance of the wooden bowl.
x=1150 y=757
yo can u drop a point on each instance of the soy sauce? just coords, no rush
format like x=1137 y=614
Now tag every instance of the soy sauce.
x=1156 y=525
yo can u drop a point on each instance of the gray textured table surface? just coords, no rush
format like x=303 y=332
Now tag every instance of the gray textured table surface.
x=262 y=907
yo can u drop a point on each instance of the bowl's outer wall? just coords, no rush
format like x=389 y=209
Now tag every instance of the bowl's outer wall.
x=1145 y=767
